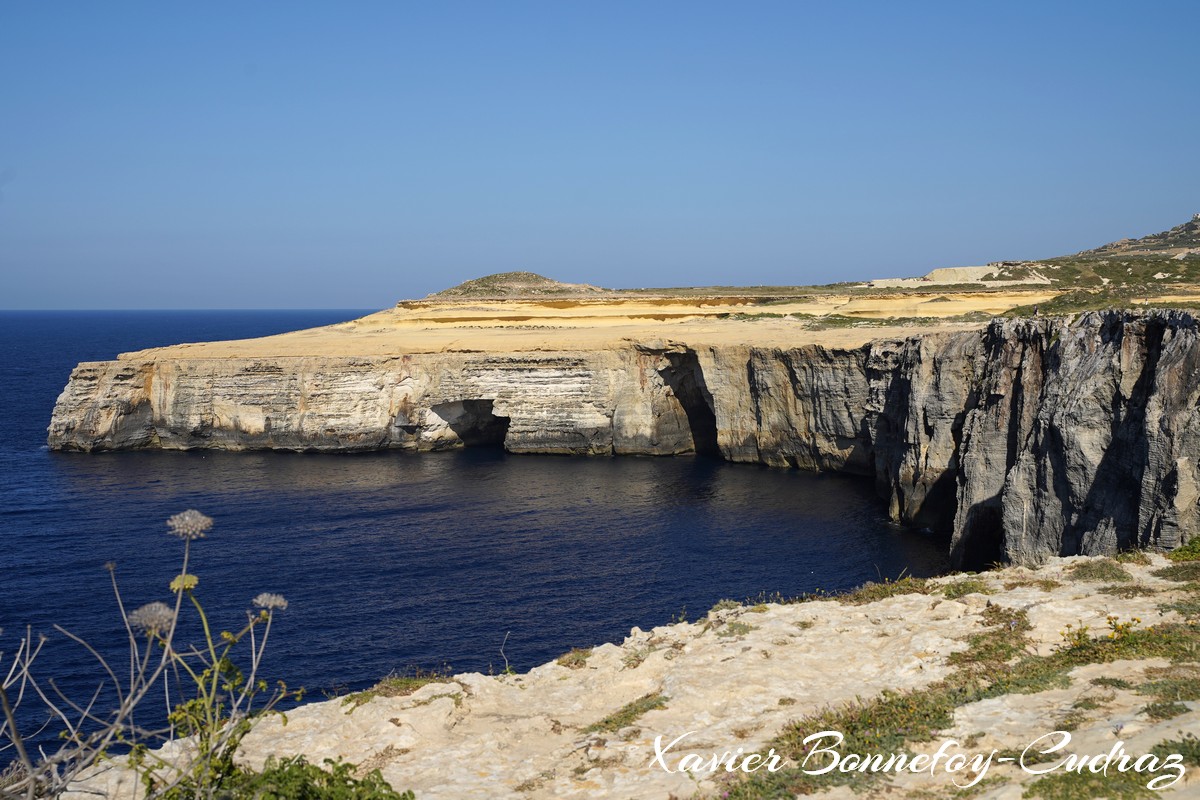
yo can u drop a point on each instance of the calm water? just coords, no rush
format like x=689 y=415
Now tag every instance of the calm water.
x=394 y=560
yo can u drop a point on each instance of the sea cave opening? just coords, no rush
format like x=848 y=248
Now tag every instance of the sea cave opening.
x=686 y=379
x=475 y=422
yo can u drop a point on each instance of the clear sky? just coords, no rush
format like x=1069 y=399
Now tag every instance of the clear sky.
x=349 y=154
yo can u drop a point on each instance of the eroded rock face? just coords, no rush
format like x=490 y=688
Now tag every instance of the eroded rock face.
x=1024 y=439
x=1083 y=439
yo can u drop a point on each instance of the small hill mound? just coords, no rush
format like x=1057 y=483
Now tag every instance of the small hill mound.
x=517 y=285
x=1181 y=237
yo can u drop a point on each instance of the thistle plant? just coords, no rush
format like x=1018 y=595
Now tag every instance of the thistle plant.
x=219 y=690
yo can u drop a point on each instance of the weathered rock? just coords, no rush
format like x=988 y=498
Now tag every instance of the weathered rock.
x=1024 y=439
x=1084 y=438
x=738 y=678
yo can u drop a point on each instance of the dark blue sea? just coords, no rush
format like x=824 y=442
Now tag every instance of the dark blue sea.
x=394 y=560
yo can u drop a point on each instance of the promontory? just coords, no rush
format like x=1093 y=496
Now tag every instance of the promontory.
x=1030 y=409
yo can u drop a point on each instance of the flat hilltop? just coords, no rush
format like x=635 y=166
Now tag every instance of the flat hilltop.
x=524 y=311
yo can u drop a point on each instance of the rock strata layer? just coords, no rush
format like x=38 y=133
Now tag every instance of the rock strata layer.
x=1022 y=439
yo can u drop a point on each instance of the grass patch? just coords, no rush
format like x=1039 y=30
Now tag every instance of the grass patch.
x=1100 y=570
x=1092 y=703
x=575 y=658
x=636 y=658
x=1189 y=552
x=1044 y=584
x=1070 y=721
x=995 y=664
x=1139 y=557
x=1164 y=710
x=296 y=779
x=1112 y=683
x=964 y=587
x=1003 y=640
x=1088 y=786
x=397 y=685
x=1188 y=747
x=735 y=629
x=1128 y=591
x=725 y=605
x=872 y=592
x=1183 y=572
x=628 y=713
x=1188 y=607
x=1174 y=684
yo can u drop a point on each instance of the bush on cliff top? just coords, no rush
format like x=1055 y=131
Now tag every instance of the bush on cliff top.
x=1189 y=552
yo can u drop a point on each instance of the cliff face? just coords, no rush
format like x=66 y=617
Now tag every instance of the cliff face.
x=1025 y=439
x=1082 y=438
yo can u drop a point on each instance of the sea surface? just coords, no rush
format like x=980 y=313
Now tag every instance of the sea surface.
x=393 y=560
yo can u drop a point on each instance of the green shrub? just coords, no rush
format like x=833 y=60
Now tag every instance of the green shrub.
x=1182 y=572
x=575 y=658
x=1164 y=710
x=1189 y=552
x=725 y=605
x=398 y=684
x=1089 y=786
x=872 y=592
x=1100 y=570
x=628 y=713
x=964 y=587
x=735 y=629
x=1188 y=747
x=1129 y=590
x=296 y=779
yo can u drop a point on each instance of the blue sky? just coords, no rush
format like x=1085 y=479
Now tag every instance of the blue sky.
x=346 y=155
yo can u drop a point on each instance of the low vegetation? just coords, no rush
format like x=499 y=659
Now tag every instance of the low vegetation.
x=1100 y=570
x=296 y=779
x=964 y=587
x=999 y=660
x=871 y=592
x=1181 y=572
x=1189 y=552
x=399 y=684
x=628 y=714
x=575 y=658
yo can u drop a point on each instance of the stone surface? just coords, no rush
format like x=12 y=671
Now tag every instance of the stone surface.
x=728 y=687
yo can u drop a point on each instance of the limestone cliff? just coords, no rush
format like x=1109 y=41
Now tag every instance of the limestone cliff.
x=1024 y=438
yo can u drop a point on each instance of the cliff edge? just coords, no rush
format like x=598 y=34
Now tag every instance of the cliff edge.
x=983 y=668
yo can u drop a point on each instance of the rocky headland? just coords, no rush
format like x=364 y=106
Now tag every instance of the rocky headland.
x=1021 y=437
x=1103 y=650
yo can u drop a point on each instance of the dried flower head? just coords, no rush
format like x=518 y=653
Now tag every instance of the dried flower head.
x=152 y=618
x=270 y=602
x=190 y=524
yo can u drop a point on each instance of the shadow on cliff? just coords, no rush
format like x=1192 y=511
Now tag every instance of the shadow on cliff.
x=686 y=379
x=1109 y=514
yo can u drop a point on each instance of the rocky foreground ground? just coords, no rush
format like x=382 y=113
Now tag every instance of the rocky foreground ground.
x=1105 y=649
